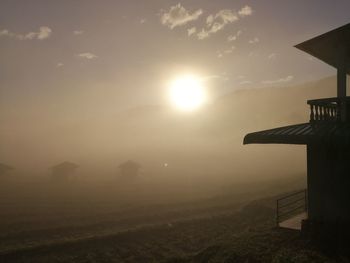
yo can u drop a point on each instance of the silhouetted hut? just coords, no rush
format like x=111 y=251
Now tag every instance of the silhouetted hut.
x=5 y=169
x=129 y=169
x=327 y=140
x=63 y=170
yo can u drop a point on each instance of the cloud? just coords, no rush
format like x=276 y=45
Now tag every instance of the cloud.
x=179 y=16
x=4 y=32
x=272 y=56
x=210 y=19
x=87 y=55
x=252 y=54
x=44 y=32
x=217 y=77
x=277 y=81
x=202 y=34
x=191 y=31
x=218 y=22
x=59 y=65
x=230 y=49
x=219 y=54
x=78 y=32
x=254 y=40
x=245 y=11
x=234 y=37
x=224 y=16
x=142 y=21
x=246 y=82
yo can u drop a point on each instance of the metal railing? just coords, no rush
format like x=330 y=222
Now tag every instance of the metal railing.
x=329 y=109
x=291 y=205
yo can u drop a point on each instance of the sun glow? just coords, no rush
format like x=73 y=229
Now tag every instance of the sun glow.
x=187 y=93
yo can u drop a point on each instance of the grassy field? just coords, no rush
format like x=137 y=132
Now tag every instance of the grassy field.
x=237 y=226
x=247 y=235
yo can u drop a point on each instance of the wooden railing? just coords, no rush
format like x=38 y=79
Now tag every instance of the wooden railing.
x=330 y=109
x=291 y=205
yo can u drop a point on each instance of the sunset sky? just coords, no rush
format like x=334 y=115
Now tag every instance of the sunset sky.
x=147 y=130
x=69 y=66
x=90 y=57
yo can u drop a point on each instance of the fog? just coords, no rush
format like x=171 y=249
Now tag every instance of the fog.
x=192 y=165
x=202 y=149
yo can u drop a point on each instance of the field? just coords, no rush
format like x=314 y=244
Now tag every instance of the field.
x=40 y=225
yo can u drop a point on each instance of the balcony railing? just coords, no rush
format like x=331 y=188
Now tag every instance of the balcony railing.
x=330 y=109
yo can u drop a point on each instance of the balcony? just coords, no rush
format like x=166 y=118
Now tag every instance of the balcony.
x=330 y=110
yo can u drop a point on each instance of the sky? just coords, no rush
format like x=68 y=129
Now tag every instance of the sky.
x=105 y=56
x=68 y=61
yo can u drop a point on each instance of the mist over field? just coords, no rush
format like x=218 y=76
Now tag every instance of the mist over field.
x=167 y=143
x=193 y=156
x=191 y=167
x=122 y=126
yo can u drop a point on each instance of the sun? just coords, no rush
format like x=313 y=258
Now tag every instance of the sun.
x=187 y=92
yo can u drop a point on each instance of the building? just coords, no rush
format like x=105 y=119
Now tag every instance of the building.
x=129 y=169
x=5 y=169
x=63 y=171
x=327 y=140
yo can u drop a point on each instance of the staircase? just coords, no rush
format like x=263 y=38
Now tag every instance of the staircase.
x=291 y=210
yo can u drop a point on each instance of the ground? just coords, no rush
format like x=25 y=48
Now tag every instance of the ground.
x=241 y=232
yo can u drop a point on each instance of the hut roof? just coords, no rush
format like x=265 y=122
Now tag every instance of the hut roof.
x=332 y=47
x=5 y=167
x=65 y=165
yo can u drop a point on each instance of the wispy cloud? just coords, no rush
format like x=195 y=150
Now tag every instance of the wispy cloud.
x=272 y=56
x=242 y=80
x=59 y=65
x=44 y=32
x=245 y=82
x=234 y=37
x=78 y=32
x=230 y=50
x=4 y=32
x=191 y=31
x=215 y=78
x=87 y=55
x=254 y=40
x=203 y=34
x=245 y=11
x=179 y=16
x=217 y=22
x=142 y=21
x=277 y=81
x=252 y=54
x=219 y=54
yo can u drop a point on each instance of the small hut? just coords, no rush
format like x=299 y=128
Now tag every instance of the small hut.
x=63 y=171
x=129 y=169
x=5 y=169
